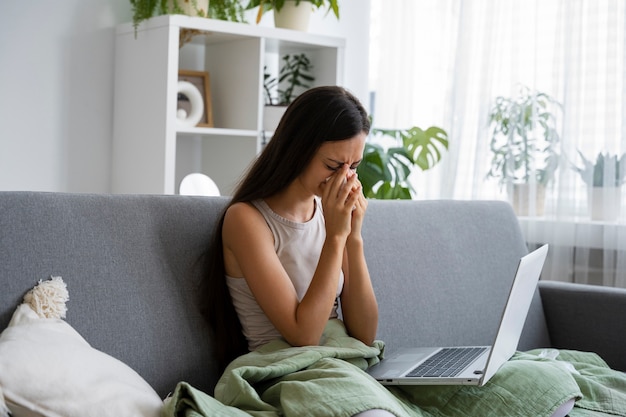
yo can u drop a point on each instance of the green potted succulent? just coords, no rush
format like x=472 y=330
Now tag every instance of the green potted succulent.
x=604 y=179
x=294 y=77
x=230 y=10
x=292 y=14
x=524 y=142
x=384 y=172
x=593 y=173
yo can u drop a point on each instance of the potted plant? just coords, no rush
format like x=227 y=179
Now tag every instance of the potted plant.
x=604 y=179
x=292 y=14
x=524 y=142
x=384 y=172
x=293 y=78
x=218 y=9
x=229 y=10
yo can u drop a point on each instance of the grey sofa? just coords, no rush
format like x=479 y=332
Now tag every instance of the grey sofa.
x=441 y=270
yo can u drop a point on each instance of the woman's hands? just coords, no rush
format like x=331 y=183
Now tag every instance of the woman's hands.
x=344 y=204
x=358 y=213
x=344 y=209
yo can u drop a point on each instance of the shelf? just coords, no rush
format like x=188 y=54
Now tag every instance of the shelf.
x=151 y=152
x=219 y=31
x=212 y=131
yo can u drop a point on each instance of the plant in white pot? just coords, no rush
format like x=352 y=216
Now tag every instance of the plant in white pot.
x=292 y=14
x=524 y=142
x=604 y=179
x=231 y=10
x=294 y=77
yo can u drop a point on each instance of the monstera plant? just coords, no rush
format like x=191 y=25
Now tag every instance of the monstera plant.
x=384 y=172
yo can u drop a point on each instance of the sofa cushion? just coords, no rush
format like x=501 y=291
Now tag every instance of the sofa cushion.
x=47 y=368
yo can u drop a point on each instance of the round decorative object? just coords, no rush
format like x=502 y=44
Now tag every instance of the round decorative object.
x=198 y=184
x=193 y=116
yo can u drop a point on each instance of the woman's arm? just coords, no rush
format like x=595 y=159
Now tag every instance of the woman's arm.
x=249 y=252
x=358 y=301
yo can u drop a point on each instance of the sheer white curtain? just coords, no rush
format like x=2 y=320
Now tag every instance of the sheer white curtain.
x=443 y=62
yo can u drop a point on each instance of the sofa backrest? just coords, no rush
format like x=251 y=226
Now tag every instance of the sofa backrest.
x=130 y=263
x=441 y=271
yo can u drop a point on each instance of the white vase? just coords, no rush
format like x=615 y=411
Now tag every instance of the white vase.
x=528 y=200
x=188 y=8
x=604 y=203
x=294 y=17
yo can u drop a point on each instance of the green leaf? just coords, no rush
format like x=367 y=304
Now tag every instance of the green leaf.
x=524 y=137
x=425 y=147
x=384 y=172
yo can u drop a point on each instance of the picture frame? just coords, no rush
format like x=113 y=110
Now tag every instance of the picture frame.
x=201 y=80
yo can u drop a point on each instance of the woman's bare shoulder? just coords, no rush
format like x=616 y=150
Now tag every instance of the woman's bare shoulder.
x=242 y=211
x=242 y=207
x=243 y=217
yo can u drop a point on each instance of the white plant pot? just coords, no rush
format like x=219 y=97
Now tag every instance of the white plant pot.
x=604 y=203
x=528 y=200
x=271 y=117
x=293 y=17
x=188 y=8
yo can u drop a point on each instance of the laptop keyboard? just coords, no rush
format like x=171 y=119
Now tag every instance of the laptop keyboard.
x=447 y=362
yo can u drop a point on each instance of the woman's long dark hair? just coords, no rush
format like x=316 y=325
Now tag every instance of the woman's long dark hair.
x=318 y=115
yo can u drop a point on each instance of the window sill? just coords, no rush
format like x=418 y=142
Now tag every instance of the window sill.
x=581 y=233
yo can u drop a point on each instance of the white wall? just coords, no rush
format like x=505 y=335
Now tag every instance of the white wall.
x=56 y=87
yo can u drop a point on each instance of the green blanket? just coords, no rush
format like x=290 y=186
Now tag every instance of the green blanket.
x=328 y=380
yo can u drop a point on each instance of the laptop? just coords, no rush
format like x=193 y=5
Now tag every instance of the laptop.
x=468 y=365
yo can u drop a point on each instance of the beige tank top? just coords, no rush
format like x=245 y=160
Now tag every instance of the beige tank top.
x=298 y=246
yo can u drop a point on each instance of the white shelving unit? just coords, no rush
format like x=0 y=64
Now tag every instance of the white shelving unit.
x=151 y=152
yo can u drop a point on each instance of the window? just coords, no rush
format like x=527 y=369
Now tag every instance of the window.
x=443 y=63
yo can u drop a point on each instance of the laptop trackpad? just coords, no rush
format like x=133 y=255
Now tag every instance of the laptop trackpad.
x=400 y=362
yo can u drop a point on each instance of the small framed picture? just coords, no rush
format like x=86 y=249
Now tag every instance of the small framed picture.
x=201 y=80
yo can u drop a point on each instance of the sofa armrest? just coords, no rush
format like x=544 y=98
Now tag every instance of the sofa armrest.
x=586 y=318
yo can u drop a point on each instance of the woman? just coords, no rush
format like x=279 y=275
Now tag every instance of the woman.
x=290 y=251
x=302 y=203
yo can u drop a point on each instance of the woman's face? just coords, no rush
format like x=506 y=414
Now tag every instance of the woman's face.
x=328 y=160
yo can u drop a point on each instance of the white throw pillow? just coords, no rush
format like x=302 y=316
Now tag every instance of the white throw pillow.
x=48 y=369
